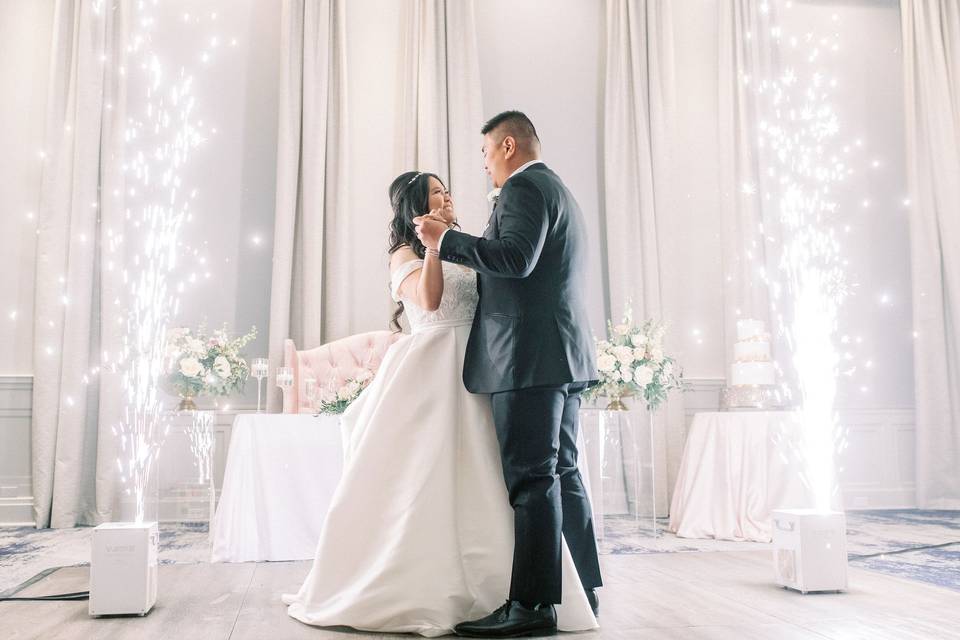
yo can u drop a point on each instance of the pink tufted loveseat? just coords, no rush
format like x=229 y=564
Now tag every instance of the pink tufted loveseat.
x=336 y=361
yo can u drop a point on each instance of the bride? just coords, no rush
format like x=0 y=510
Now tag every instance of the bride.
x=419 y=535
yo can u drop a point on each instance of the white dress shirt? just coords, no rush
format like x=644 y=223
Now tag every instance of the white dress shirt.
x=519 y=169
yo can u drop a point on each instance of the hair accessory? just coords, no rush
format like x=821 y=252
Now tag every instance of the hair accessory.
x=409 y=182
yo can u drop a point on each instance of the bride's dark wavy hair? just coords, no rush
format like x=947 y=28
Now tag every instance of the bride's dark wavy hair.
x=409 y=198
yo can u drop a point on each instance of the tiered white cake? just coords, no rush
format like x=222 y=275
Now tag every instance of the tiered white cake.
x=752 y=375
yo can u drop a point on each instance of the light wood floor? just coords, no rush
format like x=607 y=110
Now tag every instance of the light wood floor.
x=676 y=595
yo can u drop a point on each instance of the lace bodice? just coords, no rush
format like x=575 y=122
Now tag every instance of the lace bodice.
x=457 y=305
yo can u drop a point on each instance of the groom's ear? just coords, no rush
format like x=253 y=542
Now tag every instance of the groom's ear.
x=509 y=146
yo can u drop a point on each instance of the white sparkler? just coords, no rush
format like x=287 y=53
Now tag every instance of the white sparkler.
x=799 y=149
x=159 y=140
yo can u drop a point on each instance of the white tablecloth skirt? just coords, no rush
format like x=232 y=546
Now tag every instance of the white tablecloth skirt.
x=282 y=470
x=733 y=475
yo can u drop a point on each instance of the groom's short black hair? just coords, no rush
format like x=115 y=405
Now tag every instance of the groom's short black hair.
x=513 y=123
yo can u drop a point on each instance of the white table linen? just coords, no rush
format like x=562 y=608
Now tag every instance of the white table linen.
x=732 y=476
x=281 y=472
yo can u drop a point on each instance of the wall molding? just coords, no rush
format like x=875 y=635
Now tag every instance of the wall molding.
x=884 y=435
x=16 y=492
x=16 y=396
x=881 y=478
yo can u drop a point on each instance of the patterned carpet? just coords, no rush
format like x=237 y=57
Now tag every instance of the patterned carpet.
x=919 y=545
x=912 y=544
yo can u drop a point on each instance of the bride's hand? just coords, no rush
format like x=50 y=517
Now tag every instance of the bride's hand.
x=447 y=213
x=444 y=215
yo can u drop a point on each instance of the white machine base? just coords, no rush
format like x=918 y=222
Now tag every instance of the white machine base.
x=810 y=549
x=123 y=568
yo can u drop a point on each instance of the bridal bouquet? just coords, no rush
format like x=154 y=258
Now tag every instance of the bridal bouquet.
x=631 y=361
x=201 y=364
x=336 y=401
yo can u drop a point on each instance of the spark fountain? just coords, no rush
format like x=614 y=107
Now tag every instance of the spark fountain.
x=801 y=168
x=160 y=133
x=159 y=140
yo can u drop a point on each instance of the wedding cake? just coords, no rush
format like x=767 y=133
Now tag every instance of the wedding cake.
x=752 y=375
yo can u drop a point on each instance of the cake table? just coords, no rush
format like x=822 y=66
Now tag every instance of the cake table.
x=733 y=475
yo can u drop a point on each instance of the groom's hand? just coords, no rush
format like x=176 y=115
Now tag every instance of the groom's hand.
x=429 y=230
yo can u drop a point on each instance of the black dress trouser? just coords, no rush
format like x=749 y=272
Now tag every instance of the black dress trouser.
x=537 y=432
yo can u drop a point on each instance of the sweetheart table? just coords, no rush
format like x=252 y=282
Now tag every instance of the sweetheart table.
x=280 y=476
x=281 y=472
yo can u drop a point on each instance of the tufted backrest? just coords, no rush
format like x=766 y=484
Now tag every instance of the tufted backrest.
x=333 y=363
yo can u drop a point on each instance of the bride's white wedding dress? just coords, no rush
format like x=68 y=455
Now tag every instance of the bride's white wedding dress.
x=419 y=535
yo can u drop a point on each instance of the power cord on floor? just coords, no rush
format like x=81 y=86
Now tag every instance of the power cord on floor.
x=76 y=595
x=907 y=550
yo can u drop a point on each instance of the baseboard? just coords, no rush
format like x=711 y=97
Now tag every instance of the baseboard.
x=16 y=499
x=16 y=512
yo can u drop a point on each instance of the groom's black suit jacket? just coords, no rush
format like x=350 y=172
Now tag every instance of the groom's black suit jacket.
x=531 y=327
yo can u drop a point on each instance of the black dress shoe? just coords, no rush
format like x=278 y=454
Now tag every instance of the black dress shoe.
x=594 y=602
x=512 y=620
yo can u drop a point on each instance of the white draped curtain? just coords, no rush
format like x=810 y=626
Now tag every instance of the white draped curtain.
x=74 y=408
x=312 y=230
x=746 y=56
x=639 y=79
x=439 y=106
x=931 y=69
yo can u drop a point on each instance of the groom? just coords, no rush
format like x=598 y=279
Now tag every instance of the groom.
x=530 y=349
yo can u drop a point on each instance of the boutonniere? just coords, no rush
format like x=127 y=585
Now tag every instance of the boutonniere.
x=493 y=195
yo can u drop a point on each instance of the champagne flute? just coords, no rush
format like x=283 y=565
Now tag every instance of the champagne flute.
x=259 y=369
x=310 y=390
x=285 y=380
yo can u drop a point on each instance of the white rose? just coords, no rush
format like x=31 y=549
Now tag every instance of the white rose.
x=625 y=375
x=623 y=354
x=643 y=375
x=603 y=345
x=221 y=367
x=191 y=367
x=638 y=353
x=621 y=329
x=606 y=362
x=638 y=339
x=656 y=354
x=353 y=388
x=343 y=393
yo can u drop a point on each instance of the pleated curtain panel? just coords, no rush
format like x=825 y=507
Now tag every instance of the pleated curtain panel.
x=931 y=71
x=440 y=110
x=311 y=228
x=745 y=50
x=75 y=404
x=636 y=168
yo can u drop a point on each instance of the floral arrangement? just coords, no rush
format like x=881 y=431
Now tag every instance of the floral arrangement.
x=631 y=361
x=206 y=365
x=336 y=401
